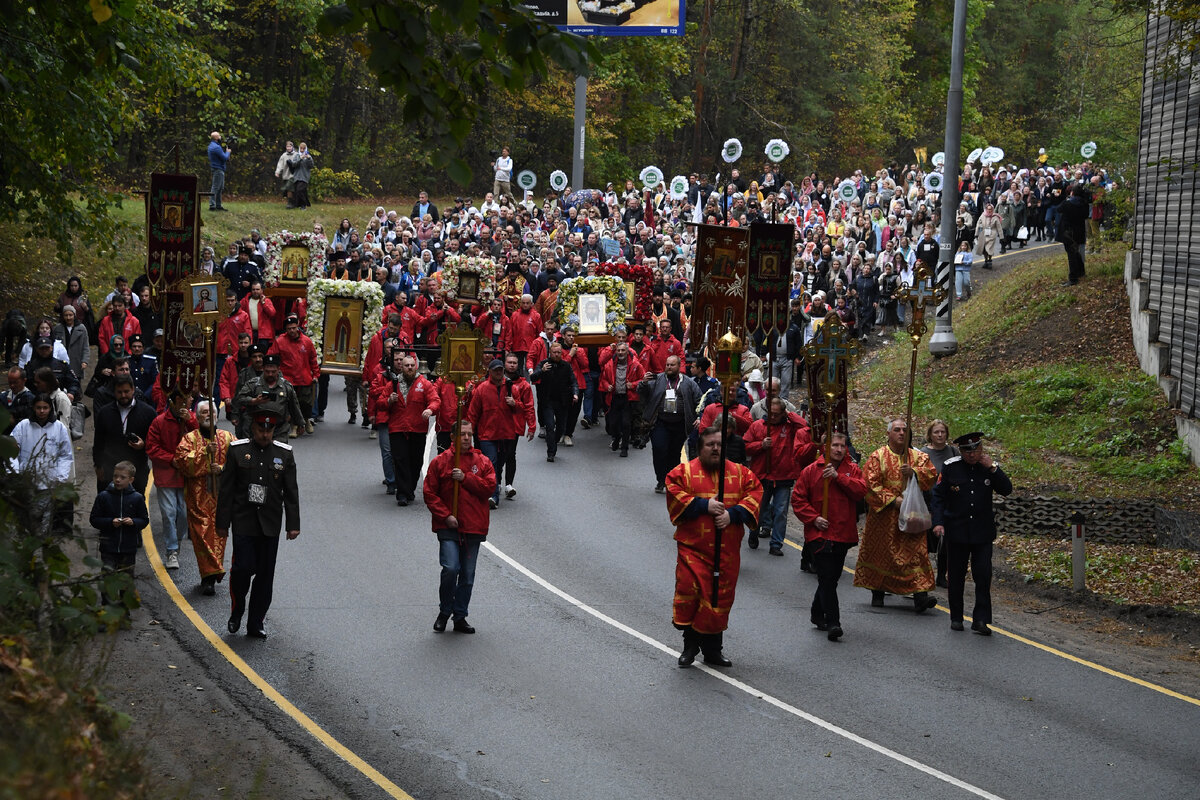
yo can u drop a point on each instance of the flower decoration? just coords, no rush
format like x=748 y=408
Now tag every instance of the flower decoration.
x=679 y=187
x=558 y=180
x=321 y=289
x=651 y=177
x=643 y=284
x=731 y=151
x=316 y=244
x=485 y=268
x=777 y=150
x=566 y=311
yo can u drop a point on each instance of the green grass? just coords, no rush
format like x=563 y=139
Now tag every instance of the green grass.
x=1071 y=427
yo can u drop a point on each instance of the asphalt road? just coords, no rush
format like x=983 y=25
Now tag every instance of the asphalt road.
x=568 y=690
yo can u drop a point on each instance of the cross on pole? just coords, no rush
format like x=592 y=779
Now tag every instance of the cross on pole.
x=831 y=348
x=917 y=297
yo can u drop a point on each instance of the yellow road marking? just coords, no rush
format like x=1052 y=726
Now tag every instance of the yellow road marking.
x=285 y=705
x=1056 y=652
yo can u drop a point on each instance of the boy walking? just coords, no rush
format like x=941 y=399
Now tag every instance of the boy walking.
x=119 y=514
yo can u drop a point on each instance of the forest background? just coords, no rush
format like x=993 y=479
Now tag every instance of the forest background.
x=96 y=95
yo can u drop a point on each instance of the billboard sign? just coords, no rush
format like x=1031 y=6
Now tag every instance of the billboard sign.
x=612 y=17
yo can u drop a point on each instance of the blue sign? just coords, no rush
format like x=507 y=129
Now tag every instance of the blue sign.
x=612 y=17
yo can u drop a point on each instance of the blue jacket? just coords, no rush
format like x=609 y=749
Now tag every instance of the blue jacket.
x=218 y=157
x=111 y=504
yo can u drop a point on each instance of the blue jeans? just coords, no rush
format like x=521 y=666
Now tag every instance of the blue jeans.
x=218 y=186
x=590 y=408
x=458 y=574
x=385 y=450
x=173 y=509
x=774 y=511
x=962 y=283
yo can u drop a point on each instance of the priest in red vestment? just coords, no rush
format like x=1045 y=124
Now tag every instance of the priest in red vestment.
x=698 y=516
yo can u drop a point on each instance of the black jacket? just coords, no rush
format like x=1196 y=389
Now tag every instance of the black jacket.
x=67 y=381
x=111 y=444
x=274 y=469
x=1072 y=220
x=111 y=504
x=962 y=501
x=19 y=405
x=557 y=380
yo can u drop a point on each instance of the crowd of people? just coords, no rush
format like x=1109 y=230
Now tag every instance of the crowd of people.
x=646 y=388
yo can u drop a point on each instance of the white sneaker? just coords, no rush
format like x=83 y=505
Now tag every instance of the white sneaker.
x=566 y=442
x=510 y=492
x=172 y=560
x=374 y=435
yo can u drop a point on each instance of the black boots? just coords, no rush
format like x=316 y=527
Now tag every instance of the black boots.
x=691 y=647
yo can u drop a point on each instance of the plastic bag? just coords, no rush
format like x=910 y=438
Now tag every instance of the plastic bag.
x=914 y=514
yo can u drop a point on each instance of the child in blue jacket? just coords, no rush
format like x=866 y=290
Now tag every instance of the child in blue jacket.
x=119 y=514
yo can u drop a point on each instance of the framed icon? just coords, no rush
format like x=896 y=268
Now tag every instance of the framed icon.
x=592 y=313
x=463 y=351
x=294 y=259
x=630 y=300
x=172 y=218
x=468 y=287
x=341 y=336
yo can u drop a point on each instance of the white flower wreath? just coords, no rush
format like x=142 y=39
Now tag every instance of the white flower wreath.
x=777 y=150
x=315 y=243
x=731 y=151
x=321 y=289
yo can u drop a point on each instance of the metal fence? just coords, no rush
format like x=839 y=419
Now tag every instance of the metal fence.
x=1165 y=231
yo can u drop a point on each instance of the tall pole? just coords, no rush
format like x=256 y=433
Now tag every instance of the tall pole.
x=943 y=341
x=577 y=148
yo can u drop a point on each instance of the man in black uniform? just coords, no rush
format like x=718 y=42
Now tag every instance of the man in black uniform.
x=258 y=492
x=270 y=392
x=962 y=513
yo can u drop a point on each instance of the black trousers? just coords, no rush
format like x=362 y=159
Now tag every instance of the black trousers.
x=1075 y=269
x=828 y=558
x=666 y=443
x=618 y=422
x=253 y=571
x=408 y=451
x=573 y=415
x=556 y=423
x=300 y=194
x=980 y=557
x=508 y=460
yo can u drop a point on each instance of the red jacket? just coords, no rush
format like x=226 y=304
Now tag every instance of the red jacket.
x=449 y=399
x=660 y=349
x=229 y=376
x=484 y=325
x=473 y=494
x=297 y=359
x=579 y=365
x=791 y=448
x=410 y=321
x=405 y=415
x=433 y=316
x=844 y=493
x=228 y=330
x=633 y=374
x=106 y=332
x=492 y=417
x=266 y=317
x=161 y=443
x=284 y=307
x=539 y=351
x=524 y=328
x=606 y=355
x=739 y=413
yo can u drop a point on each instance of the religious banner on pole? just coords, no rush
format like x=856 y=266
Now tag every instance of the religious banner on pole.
x=719 y=299
x=771 y=248
x=828 y=357
x=172 y=231
x=185 y=357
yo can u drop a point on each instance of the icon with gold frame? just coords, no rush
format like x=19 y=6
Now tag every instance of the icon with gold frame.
x=463 y=352
x=204 y=299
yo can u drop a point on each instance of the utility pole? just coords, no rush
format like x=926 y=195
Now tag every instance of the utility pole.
x=577 y=148
x=943 y=341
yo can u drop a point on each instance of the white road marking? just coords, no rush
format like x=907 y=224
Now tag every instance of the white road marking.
x=745 y=687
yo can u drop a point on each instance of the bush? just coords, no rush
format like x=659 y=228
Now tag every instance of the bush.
x=326 y=184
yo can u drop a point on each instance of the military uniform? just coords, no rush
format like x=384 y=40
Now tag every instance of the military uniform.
x=284 y=404
x=962 y=504
x=258 y=494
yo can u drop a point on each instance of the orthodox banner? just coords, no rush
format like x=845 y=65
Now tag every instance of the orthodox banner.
x=172 y=231
x=771 y=248
x=719 y=301
x=184 y=358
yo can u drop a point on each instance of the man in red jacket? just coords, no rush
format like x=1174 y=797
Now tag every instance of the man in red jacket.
x=298 y=363
x=492 y=417
x=119 y=322
x=831 y=532
x=494 y=325
x=161 y=443
x=261 y=311
x=779 y=447
x=461 y=525
x=407 y=401
x=524 y=326
x=662 y=347
x=619 y=379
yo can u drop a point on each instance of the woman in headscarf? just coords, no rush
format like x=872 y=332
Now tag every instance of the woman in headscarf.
x=207 y=262
x=988 y=232
x=74 y=295
x=72 y=333
x=104 y=365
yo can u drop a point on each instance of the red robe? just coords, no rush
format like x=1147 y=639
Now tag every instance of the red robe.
x=688 y=489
